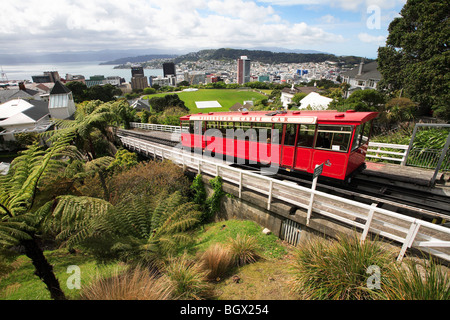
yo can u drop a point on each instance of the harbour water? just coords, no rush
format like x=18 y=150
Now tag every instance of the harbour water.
x=87 y=69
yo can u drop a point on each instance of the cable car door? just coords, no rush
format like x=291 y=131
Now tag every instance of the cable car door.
x=288 y=145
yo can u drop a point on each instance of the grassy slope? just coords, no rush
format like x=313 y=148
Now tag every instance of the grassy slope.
x=226 y=97
x=22 y=284
x=264 y=279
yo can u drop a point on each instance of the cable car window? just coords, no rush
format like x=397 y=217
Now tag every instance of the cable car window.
x=366 y=132
x=187 y=126
x=198 y=127
x=356 y=138
x=242 y=130
x=263 y=130
x=224 y=126
x=334 y=138
x=277 y=133
x=212 y=125
x=289 y=136
x=306 y=135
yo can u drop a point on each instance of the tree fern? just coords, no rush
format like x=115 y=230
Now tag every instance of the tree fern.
x=17 y=199
x=148 y=227
x=71 y=217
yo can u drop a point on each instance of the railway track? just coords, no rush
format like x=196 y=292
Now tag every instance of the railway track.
x=415 y=203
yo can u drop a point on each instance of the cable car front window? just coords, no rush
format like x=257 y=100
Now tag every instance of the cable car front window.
x=336 y=138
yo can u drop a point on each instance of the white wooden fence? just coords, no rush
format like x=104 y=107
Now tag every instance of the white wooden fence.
x=397 y=155
x=408 y=231
x=155 y=127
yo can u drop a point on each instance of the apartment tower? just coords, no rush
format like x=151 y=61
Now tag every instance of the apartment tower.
x=243 y=70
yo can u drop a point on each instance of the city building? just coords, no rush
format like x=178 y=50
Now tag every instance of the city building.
x=138 y=79
x=169 y=69
x=96 y=80
x=195 y=77
x=164 y=81
x=48 y=76
x=61 y=104
x=243 y=70
x=78 y=77
x=137 y=71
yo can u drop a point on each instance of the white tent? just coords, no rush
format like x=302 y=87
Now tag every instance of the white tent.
x=315 y=101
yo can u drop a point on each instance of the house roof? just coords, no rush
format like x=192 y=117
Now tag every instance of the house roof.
x=59 y=88
x=9 y=94
x=315 y=100
x=369 y=71
x=39 y=109
x=20 y=112
x=140 y=104
x=235 y=107
x=295 y=90
x=12 y=107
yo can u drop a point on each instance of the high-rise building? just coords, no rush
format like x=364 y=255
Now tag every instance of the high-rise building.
x=138 y=79
x=136 y=71
x=243 y=70
x=169 y=69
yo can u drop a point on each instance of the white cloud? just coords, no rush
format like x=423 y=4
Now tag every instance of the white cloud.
x=350 y=5
x=367 y=38
x=92 y=25
x=329 y=19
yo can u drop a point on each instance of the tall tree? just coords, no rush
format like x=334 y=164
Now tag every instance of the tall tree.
x=19 y=207
x=416 y=58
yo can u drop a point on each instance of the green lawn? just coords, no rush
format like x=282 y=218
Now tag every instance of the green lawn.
x=22 y=284
x=226 y=97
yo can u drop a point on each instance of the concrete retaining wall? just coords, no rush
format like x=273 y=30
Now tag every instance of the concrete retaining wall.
x=252 y=207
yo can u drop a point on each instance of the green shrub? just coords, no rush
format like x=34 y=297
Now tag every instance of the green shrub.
x=244 y=249
x=418 y=281
x=338 y=270
x=187 y=279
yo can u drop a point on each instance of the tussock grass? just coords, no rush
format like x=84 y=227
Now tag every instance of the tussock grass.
x=187 y=278
x=338 y=270
x=134 y=284
x=423 y=280
x=217 y=261
x=244 y=249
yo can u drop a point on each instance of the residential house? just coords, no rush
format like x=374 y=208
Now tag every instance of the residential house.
x=287 y=94
x=314 y=101
x=20 y=116
x=366 y=76
x=61 y=104
x=19 y=93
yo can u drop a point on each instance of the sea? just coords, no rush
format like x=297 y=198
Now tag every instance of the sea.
x=90 y=68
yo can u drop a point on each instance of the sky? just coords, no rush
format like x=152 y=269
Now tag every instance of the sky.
x=341 y=27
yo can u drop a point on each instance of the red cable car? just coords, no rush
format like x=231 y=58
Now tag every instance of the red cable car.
x=293 y=140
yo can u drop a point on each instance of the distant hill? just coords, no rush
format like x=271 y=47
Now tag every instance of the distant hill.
x=139 y=59
x=80 y=56
x=265 y=56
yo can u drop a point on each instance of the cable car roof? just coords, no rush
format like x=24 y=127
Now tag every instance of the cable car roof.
x=302 y=117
